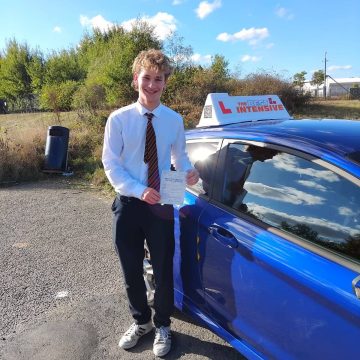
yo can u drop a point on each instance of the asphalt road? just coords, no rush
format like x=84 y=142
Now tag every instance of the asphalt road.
x=61 y=290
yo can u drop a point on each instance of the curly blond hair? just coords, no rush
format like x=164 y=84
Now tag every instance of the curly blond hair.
x=152 y=59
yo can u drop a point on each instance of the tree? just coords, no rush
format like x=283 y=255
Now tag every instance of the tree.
x=21 y=75
x=35 y=69
x=110 y=57
x=299 y=79
x=302 y=230
x=89 y=98
x=58 y=97
x=317 y=78
x=220 y=68
x=178 y=52
x=15 y=81
x=63 y=66
x=187 y=89
x=352 y=246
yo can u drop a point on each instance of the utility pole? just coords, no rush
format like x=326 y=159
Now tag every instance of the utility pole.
x=325 y=61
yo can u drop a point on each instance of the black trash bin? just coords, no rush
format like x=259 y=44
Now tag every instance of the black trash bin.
x=56 y=150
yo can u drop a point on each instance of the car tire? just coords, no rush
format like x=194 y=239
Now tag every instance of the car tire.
x=148 y=276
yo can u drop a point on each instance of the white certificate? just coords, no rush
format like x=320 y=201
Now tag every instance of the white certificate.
x=172 y=187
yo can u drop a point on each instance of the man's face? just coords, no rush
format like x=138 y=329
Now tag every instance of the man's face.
x=151 y=85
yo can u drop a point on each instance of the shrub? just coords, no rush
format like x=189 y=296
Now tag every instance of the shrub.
x=85 y=146
x=191 y=113
x=89 y=98
x=265 y=83
x=58 y=97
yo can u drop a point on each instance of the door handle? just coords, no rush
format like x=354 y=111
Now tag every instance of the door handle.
x=356 y=286
x=224 y=236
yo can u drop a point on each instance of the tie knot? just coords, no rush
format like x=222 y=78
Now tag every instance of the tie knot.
x=149 y=116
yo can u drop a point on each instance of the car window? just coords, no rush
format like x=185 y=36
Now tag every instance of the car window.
x=203 y=156
x=295 y=195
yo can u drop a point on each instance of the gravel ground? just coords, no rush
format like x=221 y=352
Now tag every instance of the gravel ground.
x=61 y=289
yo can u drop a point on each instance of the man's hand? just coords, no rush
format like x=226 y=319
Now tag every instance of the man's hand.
x=192 y=177
x=151 y=196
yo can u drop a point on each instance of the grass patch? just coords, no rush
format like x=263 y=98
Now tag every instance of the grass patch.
x=330 y=109
x=21 y=159
x=15 y=125
x=23 y=139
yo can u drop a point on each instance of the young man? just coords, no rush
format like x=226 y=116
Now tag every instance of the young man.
x=139 y=143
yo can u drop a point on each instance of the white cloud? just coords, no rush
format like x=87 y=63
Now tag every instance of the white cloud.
x=283 y=13
x=312 y=184
x=163 y=23
x=290 y=164
x=346 y=211
x=205 y=8
x=202 y=59
x=285 y=194
x=57 y=29
x=339 y=67
x=252 y=35
x=97 y=22
x=246 y=58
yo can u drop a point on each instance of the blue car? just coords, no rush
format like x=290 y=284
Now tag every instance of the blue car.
x=268 y=241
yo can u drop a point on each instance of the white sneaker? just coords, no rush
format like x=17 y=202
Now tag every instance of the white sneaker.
x=133 y=334
x=162 y=342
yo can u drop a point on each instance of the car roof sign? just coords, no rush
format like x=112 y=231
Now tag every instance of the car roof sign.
x=222 y=109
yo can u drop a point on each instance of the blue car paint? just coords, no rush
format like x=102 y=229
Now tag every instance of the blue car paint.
x=268 y=296
x=186 y=274
x=299 y=287
x=186 y=285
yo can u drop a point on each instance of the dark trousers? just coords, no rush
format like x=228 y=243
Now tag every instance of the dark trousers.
x=133 y=222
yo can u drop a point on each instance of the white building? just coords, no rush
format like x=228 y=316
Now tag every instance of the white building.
x=336 y=87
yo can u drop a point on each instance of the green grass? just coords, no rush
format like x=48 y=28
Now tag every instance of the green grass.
x=331 y=109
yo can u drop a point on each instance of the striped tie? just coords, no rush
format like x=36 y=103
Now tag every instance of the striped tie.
x=150 y=155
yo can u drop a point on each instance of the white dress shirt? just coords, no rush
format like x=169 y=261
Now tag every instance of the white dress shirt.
x=124 y=145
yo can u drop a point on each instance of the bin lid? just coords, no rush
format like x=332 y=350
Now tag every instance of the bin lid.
x=58 y=127
x=58 y=131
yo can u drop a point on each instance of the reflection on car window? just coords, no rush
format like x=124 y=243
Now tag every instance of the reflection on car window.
x=295 y=195
x=203 y=156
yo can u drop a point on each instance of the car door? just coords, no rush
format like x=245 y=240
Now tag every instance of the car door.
x=203 y=155
x=280 y=254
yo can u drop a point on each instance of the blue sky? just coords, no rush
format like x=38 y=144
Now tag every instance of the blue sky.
x=282 y=37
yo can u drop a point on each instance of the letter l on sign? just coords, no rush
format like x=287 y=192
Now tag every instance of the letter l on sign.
x=224 y=109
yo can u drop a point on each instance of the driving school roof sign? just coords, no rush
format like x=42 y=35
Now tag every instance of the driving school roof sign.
x=220 y=109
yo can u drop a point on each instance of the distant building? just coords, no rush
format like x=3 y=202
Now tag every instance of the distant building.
x=336 y=87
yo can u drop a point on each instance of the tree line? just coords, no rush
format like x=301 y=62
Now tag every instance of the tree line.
x=97 y=74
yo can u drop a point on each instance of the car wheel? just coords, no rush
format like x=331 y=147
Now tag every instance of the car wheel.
x=148 y=276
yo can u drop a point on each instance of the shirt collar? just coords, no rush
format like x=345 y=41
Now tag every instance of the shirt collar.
x=143 y=110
